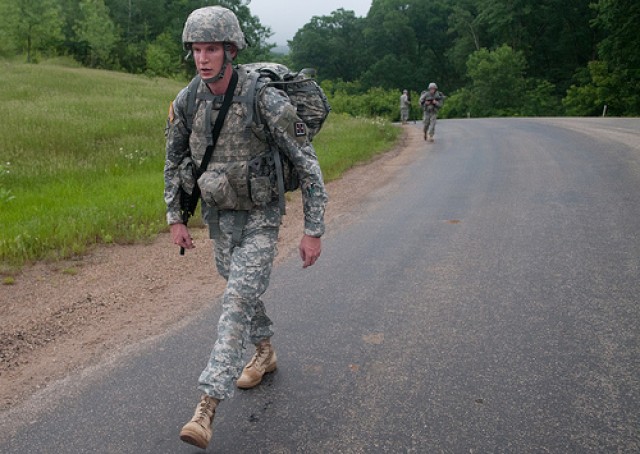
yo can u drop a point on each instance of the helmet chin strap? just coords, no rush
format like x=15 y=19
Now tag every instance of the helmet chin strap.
x=228 y=59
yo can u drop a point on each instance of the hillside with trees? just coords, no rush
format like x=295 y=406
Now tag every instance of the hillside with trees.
x=490 y=57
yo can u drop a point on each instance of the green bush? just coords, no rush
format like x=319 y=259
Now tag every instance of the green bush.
x=373 y=103
x=457 y=105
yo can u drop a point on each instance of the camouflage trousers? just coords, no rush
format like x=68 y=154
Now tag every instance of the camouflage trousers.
x=247 y=268
x=404 y=114
x=429 y=122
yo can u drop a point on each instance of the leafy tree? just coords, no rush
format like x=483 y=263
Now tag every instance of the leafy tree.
x=600 y=87
x=330 y=44
x=457 y=105
x=381 y=73
x=584 y=97
x=465 y=33
x=429 y=20
x=497 y=81
x=411 y=33
x=96 y=30
x=8 y=45
x=144 y=21
x=499 y=87
x=618 y=19
x=506 y=21
x=554 y=35
x=163 y=56
x=619 y=51
x=614 y=79
x=32 y=25
x=388 y=29
x=540 y=99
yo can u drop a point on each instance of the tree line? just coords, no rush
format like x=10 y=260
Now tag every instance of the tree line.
x=136 y=36
x=490 y=57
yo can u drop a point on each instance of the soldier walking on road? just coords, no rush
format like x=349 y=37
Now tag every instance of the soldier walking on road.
x=431 y=102
x=244 y=227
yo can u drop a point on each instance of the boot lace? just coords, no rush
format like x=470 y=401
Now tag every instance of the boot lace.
x=206 y=408
x=262 y=353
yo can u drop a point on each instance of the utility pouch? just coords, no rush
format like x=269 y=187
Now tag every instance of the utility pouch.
x=261 y=192
x=186 y=173
x=217 y=191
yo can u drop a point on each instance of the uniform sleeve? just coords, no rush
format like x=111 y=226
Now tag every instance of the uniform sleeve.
x=177 y=149
x=290 y=134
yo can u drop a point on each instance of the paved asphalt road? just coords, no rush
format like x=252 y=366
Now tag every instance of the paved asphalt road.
x=486 y=301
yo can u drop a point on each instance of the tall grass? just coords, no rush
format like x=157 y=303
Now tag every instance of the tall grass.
x=82 y=153
x=345 y=141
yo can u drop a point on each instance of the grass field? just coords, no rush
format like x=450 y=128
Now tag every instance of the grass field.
x=82 y=153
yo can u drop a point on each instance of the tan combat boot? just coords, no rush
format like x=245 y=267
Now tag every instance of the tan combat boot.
x=197 y=432
x=430 y=137
x=262 y=362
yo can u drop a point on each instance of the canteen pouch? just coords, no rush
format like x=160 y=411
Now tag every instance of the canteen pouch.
x=217 y=191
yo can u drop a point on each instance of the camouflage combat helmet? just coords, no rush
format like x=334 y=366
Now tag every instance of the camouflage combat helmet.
x=433 y=85
x=213 y=24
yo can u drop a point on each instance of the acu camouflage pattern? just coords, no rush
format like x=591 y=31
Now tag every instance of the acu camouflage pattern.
x=312 y=105
x=247 y=265
x=430 y=114
x=247 y=268
x=213 y=24
x=405 y=106
x=240 y=143
x=427 y=96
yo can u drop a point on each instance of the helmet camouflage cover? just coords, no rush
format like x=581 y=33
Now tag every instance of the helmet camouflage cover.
x=213 y=24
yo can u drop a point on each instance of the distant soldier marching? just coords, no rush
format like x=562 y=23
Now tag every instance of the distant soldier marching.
x=431 y=102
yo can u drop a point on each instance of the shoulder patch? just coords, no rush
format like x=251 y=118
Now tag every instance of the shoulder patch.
x=300 y=129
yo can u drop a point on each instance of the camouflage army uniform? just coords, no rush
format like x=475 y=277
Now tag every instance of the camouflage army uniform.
x=405 y=105
x=245 y=265
x=430 y=111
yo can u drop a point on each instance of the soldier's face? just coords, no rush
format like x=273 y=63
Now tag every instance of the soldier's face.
x=208 y=57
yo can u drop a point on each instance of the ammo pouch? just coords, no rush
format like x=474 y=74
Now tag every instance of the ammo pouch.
x=261 y=190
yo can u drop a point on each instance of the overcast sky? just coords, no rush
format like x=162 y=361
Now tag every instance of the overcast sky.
x=285 y=17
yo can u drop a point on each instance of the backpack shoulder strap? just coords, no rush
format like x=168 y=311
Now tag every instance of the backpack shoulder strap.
x=192 y=90
x=256 y=84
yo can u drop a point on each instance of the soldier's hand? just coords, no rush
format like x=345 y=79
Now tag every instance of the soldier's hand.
x=180 y=236
x=310 y=249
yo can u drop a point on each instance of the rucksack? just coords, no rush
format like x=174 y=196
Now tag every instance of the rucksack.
x=304 y=94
